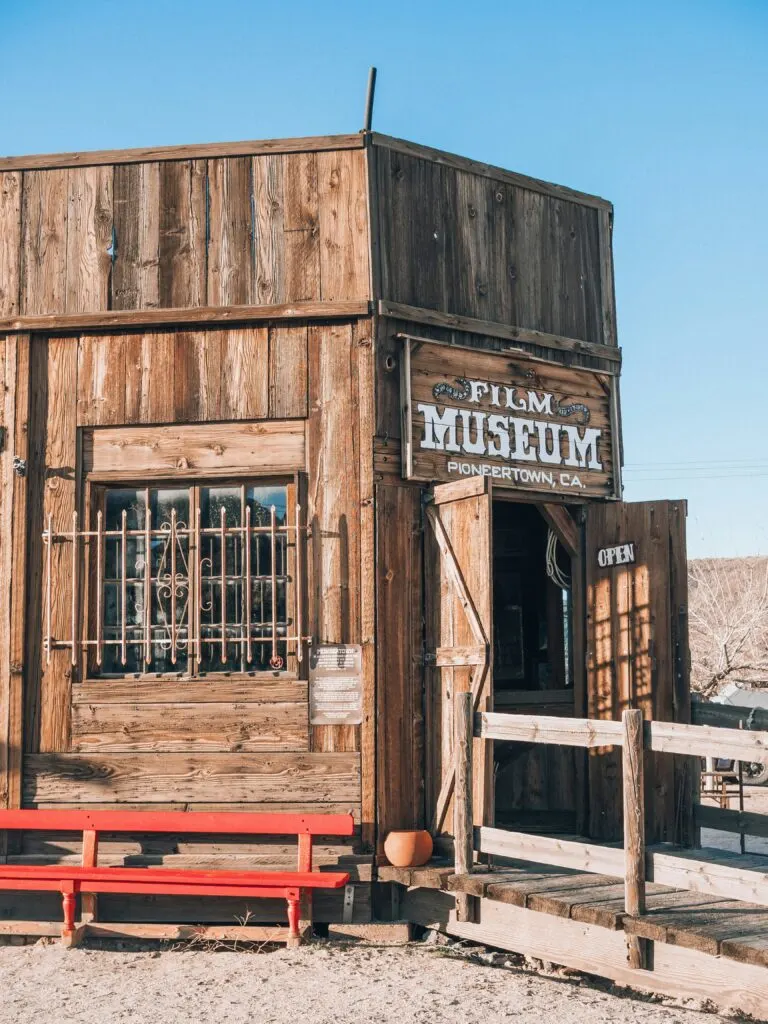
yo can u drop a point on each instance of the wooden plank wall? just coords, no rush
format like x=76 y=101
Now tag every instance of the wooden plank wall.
x=637 y=656
x=478 y=246
x=275 y=228
x=214 y=743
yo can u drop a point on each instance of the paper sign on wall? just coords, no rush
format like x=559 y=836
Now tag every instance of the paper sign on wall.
x=335 y=684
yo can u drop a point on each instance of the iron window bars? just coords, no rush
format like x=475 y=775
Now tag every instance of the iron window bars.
x=173 y=588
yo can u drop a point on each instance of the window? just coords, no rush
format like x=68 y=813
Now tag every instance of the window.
x=189 y=579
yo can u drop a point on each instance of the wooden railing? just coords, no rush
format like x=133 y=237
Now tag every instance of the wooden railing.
x=634 y=864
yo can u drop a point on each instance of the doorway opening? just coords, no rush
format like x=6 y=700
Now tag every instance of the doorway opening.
x=534 y=785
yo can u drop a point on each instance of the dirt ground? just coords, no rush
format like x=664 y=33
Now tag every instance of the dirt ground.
x=317 y=984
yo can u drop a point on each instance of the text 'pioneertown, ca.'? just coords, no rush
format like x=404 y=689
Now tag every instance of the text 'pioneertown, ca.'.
x=525 y=423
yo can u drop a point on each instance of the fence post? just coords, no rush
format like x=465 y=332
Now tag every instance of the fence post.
x=463 y=831
x=634 y=831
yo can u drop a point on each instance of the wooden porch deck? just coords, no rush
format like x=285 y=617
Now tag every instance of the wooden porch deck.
x=710 y=924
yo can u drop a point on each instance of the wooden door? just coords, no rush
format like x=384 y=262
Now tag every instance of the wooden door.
x=637 y=655
x=458 y=585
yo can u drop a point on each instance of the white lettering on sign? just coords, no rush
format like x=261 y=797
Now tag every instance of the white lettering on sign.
x=619 y=554
x=510 y=438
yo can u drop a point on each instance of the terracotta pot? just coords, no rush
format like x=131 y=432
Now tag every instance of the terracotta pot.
x=408 y=849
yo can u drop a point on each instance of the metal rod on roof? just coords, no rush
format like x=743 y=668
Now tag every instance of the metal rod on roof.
x=369 y=99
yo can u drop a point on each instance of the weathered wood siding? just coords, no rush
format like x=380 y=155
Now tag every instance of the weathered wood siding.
x=637 y=656
x=481 y=246
x=264 y=229
x=273 y=399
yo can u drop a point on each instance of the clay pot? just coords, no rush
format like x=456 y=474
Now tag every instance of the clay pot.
x=408 y=849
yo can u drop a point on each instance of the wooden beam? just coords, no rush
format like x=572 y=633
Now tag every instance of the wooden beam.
x=634 y=830
x=602 y=860
x=463 y=163
x=720 y=874
x=705 y=740
x=147 y=154
x=560 y=520
x=462 y=803
x=494 y=329
x=567 y=732
x=202 y=315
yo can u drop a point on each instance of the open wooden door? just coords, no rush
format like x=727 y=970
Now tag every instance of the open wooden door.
x=458 y=593
x=637 y=655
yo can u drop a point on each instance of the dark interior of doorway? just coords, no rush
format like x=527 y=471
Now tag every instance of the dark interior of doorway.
x=535 y=785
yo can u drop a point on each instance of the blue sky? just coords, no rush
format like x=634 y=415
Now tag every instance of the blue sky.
x=660 y=107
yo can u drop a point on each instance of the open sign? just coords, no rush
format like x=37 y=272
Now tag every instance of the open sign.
x=619 y=554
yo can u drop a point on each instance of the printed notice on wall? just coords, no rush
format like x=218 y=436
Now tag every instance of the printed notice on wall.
x=335 y=688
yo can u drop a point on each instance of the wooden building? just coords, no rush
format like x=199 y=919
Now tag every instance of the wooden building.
x=271 y=404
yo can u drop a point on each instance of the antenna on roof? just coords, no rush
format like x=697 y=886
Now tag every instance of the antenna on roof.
x=369 y=99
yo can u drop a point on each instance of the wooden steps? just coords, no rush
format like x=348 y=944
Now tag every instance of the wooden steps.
x=709 y=924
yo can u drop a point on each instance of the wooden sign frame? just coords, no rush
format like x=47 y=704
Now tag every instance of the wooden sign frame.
x=511 y=378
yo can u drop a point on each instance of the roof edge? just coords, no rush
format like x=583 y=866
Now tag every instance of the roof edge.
x=464 y=163
x=149 y=154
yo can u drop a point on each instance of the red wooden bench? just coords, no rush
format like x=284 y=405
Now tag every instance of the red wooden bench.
x=89 y=878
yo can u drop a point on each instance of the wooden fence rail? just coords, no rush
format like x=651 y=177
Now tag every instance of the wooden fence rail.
x=676 y=868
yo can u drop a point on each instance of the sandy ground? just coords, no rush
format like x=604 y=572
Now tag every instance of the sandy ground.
x=317 y=984
x=755 y=800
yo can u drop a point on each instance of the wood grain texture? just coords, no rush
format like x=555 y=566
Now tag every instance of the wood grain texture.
x=230 y=263
x=333 y=509
x=204 y=778
x=136 y=204
x=288 y=382
x=182 y=234
x=245 y=373
x=204 y=315
x=267 y=175
x=630 y=659
x=399 y=696
x=10 y=242
x=272 y=445
x=343 y=224
x=456 y=240
x=44 y=242
x=301 y=226
x=59 y=502
x=275 y=689
x=89 y=238
x=185 y=727
x=201 y=151
x=13 y=559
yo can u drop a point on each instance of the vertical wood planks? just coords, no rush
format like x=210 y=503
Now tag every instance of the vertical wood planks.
x=59 y=503
x=136 y=203
x=182 y=233
x=333 y=504
x=13 y=526
x=10 y=242
x=287 y=372
x=230 y=266
x=44 y=242
x=399 y=646
x=301 y=226
x=631 y=656
x=89 y=238
x=343 y=210
x=268 y=229
x=362 y=339
x=245 y=374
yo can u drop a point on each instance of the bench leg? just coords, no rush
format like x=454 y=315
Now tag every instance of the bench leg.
x=294 y=910
x=68 y=928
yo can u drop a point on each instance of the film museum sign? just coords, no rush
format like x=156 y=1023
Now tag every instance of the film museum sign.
x=526 y=423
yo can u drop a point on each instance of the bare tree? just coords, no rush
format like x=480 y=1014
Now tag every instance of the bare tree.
x=728 y=619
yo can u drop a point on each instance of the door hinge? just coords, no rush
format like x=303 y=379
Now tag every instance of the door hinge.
x=19 y=466
x=428 y=658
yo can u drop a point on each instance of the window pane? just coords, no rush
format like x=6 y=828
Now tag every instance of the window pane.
x=240 y=600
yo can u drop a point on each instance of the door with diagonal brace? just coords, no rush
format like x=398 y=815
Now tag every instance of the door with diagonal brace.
x=459 y=625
